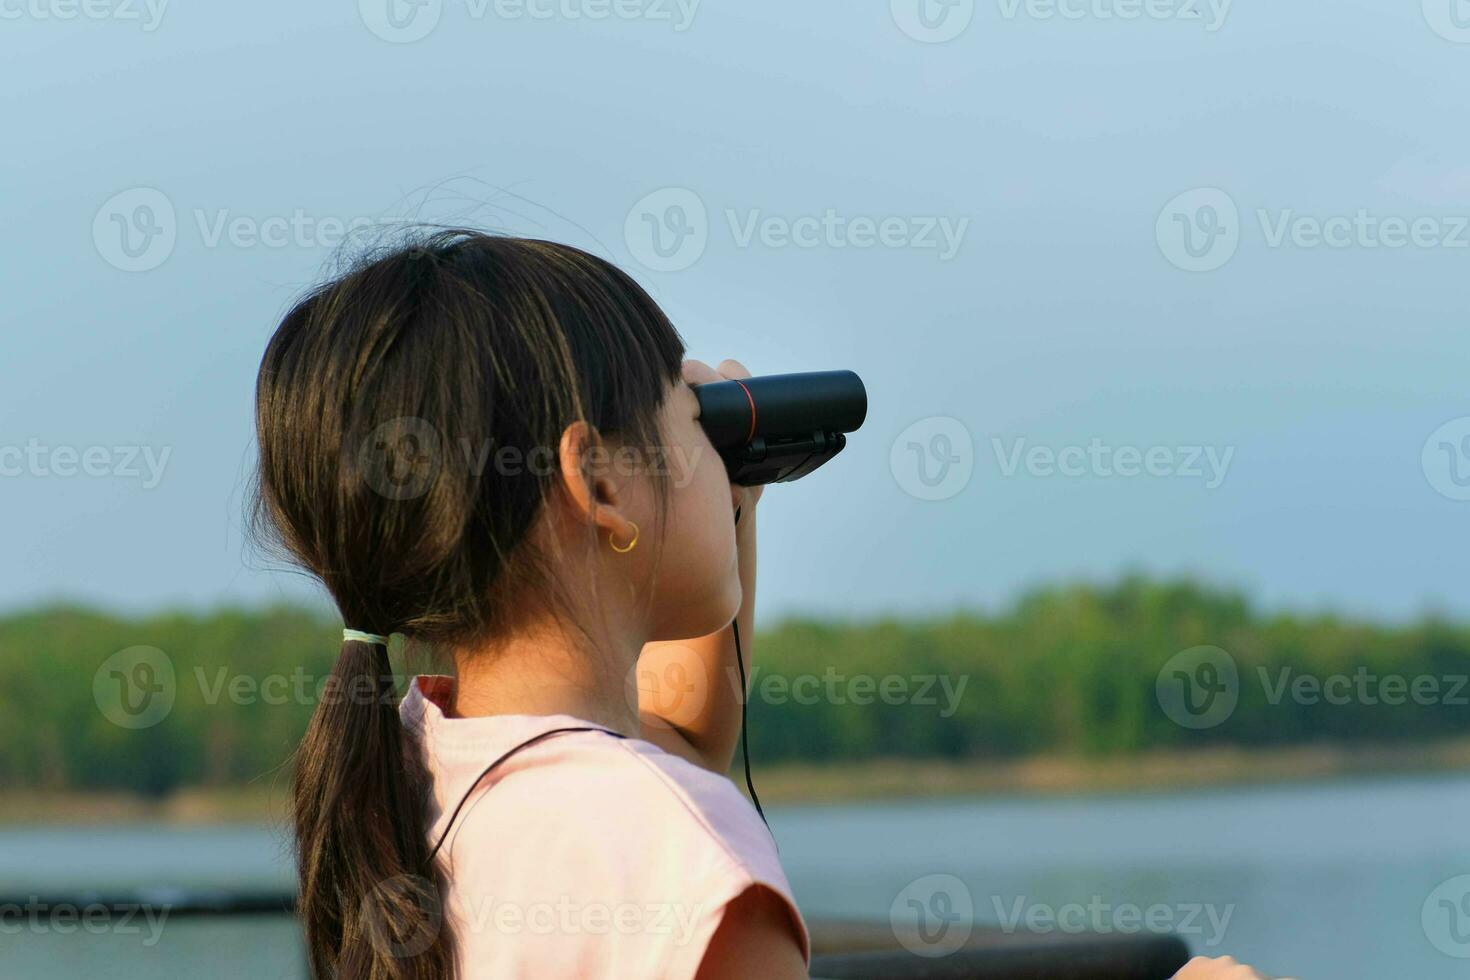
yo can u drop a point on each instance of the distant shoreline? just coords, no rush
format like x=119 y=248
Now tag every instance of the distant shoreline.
x=1144 y=772
x=879 y=779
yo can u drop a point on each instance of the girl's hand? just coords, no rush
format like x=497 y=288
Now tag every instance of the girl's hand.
x=707 y=730
x=1217 y=968
x=698 y=372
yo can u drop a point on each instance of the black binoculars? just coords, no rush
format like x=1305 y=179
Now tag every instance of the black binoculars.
x=779 y=427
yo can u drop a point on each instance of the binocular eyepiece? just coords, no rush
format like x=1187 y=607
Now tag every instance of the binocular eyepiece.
x=779 y=427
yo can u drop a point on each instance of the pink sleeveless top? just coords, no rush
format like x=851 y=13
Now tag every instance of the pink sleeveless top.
x=583 y=855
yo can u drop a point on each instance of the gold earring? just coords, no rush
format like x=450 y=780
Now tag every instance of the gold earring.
x=630 y=543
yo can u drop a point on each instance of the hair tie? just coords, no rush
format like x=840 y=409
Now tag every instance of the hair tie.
x=362 y=637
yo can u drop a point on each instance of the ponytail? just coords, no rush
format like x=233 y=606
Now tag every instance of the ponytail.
x=369 y=902
x=367 y=387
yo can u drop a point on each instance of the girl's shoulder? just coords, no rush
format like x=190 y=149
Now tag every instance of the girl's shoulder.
x=573 y=770
x=607 y=830
x=583 y=790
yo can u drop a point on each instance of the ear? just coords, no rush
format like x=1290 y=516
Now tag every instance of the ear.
x=588 y=481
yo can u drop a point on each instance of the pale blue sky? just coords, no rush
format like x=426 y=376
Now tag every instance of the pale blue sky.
x=1054 y=143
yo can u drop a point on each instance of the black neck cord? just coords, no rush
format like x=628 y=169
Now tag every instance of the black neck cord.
x=744 y=742
x=490 y=768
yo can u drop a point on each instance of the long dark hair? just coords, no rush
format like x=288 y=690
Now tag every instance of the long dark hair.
x=382 y=401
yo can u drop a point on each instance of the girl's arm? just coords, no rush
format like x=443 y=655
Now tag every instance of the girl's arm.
x=754 y=939
x=689 y=690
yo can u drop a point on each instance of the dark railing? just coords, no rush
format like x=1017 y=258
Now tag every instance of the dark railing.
x=841 y=950
x=868 y=951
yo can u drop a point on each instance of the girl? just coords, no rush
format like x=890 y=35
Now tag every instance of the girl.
x=491 y=447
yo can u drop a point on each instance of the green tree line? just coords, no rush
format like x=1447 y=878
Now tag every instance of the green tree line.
x=1070 y=669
